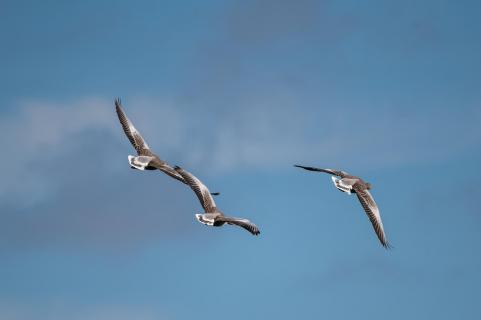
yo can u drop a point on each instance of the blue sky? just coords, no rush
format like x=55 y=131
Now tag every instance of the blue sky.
x=238 y=92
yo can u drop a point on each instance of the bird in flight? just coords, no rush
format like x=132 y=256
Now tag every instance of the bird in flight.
x=352 y=184
x=212 y=216
x=145 y=159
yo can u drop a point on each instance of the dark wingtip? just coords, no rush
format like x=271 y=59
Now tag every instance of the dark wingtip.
x=387 y=246
x=302 y=167
x=215 y=193
x=118 y=102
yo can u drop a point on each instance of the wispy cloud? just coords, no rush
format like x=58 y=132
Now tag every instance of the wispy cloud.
x=66 y=176
x=257 y=132
x=275 y=132
x=66 y=181
x=37 y=133
x=58 y=311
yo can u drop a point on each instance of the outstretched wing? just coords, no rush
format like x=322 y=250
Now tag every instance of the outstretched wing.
x=167 y=169
x=372 y=211
x=200 y=190
x=341 y=174
x=243 y=223
x=134 y=136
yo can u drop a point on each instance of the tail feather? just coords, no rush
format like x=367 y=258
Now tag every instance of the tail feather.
x=139 y=162
x=201 y=218
x=339 y=185
x=134 y=165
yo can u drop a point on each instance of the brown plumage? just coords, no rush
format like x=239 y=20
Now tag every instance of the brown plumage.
x=352 y=184
x=213 y=216
x=146 y=160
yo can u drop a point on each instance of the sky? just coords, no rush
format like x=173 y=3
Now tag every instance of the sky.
x=237 y=92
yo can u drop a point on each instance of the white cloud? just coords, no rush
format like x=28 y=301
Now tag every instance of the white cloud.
x=277 y=133
x=37 y=134
x=259 y=133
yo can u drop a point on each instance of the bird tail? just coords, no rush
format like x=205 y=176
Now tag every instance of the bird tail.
x=202 y=219
x=139 y=162
x=339 y=185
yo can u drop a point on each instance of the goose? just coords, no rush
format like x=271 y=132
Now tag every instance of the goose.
x=352 y=184
x=212 y=216
x=145 y=159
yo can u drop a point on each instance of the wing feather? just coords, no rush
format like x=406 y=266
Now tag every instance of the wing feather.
x=372 y=211
x=338 y=173
x=167 y=169
x=243 y=223
x=134 y=136
x=199 y=188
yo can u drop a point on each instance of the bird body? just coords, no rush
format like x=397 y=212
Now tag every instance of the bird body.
x=212 y=216
x=145 y=159
x=352 y=184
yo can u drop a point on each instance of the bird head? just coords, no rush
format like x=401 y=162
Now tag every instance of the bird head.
x=368 y=186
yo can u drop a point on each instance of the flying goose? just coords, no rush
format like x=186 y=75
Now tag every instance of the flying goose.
x=145 y=159
x=352 y=184
x=212 y=216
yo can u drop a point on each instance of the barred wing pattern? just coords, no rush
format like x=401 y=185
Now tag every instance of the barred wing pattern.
x=372 y=211
x=341 y=174
x=200 y=190
x=134 y=136
x=167 y=169
x=243 y=223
